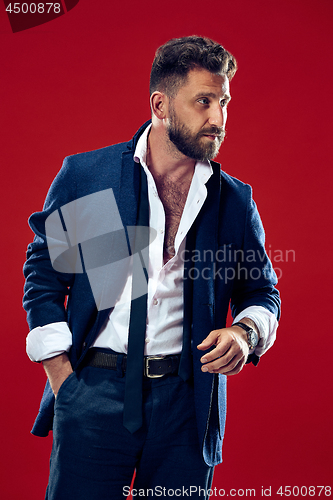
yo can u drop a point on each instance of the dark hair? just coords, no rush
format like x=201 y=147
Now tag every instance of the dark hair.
x=178 y=56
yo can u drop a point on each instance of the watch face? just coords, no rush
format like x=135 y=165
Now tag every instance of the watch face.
x=252 y=338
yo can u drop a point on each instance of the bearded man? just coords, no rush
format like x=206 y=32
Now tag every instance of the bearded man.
x=137 y=361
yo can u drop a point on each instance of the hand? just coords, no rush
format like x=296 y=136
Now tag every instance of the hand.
x=57 y=369
x=230 y=352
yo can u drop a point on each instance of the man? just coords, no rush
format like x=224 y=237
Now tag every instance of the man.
x=148 y=388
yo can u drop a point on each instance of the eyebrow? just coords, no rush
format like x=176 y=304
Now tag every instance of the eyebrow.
x=212 y=95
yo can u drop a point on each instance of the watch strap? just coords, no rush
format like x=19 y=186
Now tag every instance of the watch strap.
x=250 y=333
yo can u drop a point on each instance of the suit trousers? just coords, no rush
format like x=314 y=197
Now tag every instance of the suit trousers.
x=94 y=456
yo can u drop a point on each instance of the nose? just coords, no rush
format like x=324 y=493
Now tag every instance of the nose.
x=218 y=116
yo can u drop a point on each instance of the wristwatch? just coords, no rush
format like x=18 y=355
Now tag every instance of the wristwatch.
x=252 y=336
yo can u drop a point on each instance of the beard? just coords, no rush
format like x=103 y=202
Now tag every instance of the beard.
x=193 y=145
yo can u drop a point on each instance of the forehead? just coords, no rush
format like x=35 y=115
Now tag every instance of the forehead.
x=201 y=81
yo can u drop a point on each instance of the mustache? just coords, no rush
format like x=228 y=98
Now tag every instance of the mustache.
x=219 y=132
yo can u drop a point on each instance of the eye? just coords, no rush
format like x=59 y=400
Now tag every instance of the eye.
x=204 y=100
x=224 y=103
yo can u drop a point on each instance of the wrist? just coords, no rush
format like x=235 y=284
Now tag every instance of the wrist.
x=57 y=370
x=252 y=333
x=249 y=322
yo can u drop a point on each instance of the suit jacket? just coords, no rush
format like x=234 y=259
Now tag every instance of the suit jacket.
x=228 y=228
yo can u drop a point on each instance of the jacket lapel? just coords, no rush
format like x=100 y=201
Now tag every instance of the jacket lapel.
x=204 y=295
x=126 y=195
x=206 y=239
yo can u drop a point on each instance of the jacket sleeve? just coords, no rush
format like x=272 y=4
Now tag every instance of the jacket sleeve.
x=255 y=277
x=46 y=289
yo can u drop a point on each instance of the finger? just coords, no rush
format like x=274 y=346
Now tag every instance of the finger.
x=209 y=340
x=239 y=367
x=225 y=363
x=217 y=353
x=225 y=343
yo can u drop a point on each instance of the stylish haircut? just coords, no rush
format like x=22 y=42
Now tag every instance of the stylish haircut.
x=178 y=56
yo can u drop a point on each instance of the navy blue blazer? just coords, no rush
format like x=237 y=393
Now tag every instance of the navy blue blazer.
x=229 y=236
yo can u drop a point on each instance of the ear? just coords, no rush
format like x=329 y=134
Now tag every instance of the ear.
x=159 y=104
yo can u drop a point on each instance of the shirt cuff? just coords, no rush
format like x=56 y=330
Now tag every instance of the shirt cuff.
x=266 y=323
x=47 y=341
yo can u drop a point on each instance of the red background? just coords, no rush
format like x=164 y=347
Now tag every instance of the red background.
x=80 y=82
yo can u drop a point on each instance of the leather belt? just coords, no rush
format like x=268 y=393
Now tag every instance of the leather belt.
x=154 y=366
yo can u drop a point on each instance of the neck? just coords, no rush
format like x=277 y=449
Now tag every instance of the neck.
x=165 y=160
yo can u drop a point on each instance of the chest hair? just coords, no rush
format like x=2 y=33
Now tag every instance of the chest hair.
x=173 y=195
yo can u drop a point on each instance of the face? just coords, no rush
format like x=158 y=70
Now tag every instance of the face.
x=198 y=114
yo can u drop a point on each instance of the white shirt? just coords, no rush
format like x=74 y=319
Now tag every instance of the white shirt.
x=165 y=286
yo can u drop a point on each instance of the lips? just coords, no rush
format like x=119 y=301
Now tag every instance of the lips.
x=211 y=136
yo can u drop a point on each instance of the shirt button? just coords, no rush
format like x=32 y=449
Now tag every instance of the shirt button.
x=155 y=302
x=161 y=231
x=147 y=340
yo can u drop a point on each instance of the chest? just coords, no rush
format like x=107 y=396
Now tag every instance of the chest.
x=173 y=196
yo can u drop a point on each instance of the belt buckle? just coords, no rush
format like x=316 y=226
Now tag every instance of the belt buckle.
x=146 y=366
